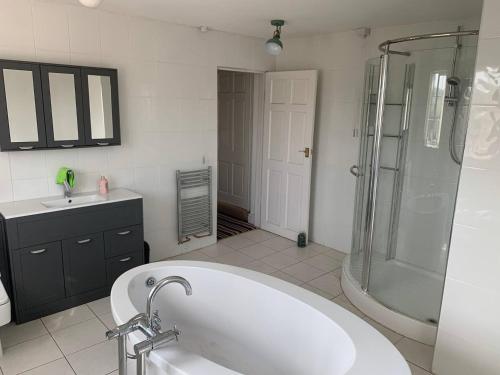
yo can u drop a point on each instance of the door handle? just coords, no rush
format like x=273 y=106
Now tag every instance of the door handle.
x=38 y=251
x=81 y=242
x=125 y=259
x=124 y=233
x=306 y=151
x=25 y=148
x=103 y=143
x=355 y=171
x=67 y=146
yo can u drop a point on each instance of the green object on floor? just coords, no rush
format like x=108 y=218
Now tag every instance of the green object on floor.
x=301 y=240
x=65 y=174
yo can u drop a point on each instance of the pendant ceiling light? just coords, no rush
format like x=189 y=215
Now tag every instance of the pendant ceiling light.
x=274 y=46
x=90 y=3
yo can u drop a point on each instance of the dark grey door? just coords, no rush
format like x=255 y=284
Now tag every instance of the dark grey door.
x=118 y=265
x=63 y=105
x=22 y=124
x=100 y=105
x=84 y=263
x=39 y=276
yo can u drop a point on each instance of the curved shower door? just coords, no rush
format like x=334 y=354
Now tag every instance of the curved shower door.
x=407 y=177
x=392 y=150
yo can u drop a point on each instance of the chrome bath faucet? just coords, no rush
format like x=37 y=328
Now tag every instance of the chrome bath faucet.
x=149 y=324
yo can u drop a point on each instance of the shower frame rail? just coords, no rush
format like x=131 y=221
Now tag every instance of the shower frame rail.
x=377 y=138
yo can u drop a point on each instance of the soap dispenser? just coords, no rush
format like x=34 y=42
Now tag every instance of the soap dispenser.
x=103 y=185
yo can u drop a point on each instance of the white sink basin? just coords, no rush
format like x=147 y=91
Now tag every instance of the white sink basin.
x=74 y=201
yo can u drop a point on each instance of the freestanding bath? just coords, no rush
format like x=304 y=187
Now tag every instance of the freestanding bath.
x=239 y=321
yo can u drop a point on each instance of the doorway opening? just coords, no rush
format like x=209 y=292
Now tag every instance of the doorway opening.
x=265 y=140
x=239 y=123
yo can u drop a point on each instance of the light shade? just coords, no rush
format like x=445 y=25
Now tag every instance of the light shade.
x=274 y=46
x=90 y=3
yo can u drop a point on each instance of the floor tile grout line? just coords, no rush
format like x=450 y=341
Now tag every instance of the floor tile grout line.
x=420 y=367
x=102 y=321
x=44 y=364
x=27 y=340
x=87 y=347
x=71 y=325
x=305 y=282
x=65 y=356
x=58 y=347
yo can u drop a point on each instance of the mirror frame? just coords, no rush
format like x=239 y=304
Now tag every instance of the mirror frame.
x=5 y=142
x=76 y=72
x=112 y=74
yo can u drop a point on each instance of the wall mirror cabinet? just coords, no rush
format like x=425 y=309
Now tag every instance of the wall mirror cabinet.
x=57 y=106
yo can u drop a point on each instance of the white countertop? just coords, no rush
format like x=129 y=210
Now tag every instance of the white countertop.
x=11 y=210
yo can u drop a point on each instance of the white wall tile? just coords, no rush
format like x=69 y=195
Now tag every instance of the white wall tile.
x=115 y=35
x=84 y=30
x=486 y=89
x=16 y=25
x=468 y=333
x=92 y=160
x=489 y=23
x=27 y=165
x=144 y=39
x=51 y=27
x=191 y=48
x=29 y=188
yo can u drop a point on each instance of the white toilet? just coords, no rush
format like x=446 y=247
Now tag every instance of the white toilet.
x=4 y=310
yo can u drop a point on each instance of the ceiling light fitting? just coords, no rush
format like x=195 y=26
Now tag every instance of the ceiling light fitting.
x=274 y=46
x=90 y=3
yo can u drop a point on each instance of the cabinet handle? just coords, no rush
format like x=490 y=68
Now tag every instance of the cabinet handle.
x=125 y=259
x=103 y=143
x=67 y=146
x=124 y=233
x=25 y=147
x=38 y=251
x=87 y=240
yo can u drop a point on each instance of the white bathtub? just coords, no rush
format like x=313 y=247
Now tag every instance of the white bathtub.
x=239 y=321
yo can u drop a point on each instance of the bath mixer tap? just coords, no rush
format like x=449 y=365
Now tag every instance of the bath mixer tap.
x=149 y=324
x=154 y=319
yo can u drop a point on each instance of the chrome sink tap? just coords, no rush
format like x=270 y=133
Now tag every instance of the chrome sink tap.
x=67 y=190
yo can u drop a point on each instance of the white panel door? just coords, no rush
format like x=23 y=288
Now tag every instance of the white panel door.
x=234 y=129
x=290 y=102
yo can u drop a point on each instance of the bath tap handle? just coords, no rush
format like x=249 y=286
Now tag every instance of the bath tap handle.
x=155 y=321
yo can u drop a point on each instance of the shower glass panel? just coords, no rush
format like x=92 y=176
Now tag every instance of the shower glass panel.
x=424 y=120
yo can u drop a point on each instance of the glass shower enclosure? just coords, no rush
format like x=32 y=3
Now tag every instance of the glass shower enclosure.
x=414 y=120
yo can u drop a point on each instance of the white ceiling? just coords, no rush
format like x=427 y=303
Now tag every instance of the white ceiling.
x=251 y=17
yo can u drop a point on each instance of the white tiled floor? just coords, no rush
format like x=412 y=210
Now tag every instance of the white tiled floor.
x=73 y=341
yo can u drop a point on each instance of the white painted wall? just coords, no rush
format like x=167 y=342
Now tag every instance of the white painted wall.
x=468 y=340
x=341 y=58
x=168 y=90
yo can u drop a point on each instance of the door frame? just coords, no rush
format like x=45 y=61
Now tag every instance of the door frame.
x=256 y=142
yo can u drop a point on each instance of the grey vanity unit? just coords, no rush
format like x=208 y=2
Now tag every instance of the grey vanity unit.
x=57 y=106
x=61 y=259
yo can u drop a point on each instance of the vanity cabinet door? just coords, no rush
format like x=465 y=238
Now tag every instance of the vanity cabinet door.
x=100 y=103
x=84 y=264
x=22 y=124
x=38 y=274
x=118 y=265
x=63 y=105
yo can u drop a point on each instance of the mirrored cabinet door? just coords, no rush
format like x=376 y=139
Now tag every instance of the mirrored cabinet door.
x=22 y=124
x=100 y=99
x=62 y=97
